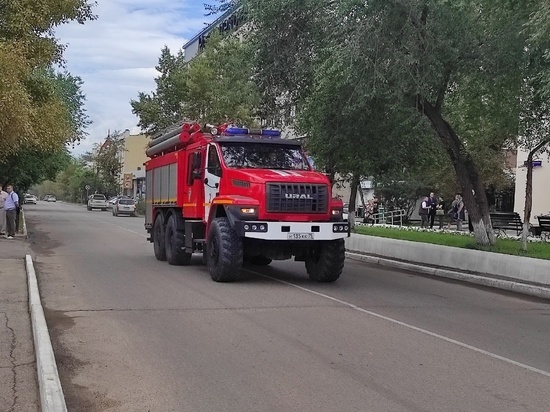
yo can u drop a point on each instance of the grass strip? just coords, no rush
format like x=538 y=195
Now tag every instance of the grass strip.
x=537 y=250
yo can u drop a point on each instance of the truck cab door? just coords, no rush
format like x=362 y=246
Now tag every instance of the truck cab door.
x=212 y=177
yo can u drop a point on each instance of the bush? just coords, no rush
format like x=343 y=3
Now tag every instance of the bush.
x=140 y=207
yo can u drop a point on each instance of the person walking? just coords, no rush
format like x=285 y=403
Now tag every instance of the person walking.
x=10 y=206
x=3 y=196
x=424 y=212
x=432 y=202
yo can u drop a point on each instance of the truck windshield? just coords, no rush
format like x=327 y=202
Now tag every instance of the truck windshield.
x=263 y=156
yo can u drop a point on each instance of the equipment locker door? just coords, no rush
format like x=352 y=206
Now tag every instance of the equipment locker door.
x=212 y=176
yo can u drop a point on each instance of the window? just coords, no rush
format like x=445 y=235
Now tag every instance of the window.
x=194 y=167
x=264 y=156
x=214 y=165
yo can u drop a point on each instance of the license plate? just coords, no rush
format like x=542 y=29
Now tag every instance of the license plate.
x=300 y=236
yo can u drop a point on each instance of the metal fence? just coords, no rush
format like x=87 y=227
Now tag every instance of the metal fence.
x=388 y=217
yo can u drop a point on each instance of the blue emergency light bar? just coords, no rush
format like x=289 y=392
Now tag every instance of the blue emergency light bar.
x=240 y=131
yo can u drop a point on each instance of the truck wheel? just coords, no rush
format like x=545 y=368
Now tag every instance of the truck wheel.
x=259 y=260
x=89 y=208
x=326 y=261
x=224 y=251
x=174 y=242
x=158 y=239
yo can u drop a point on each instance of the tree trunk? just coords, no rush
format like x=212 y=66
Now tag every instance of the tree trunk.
x=473 y=191
x=353 y=199
x=529 y=193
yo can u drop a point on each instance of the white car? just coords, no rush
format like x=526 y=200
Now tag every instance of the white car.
x=30 y=199
x=97 y=201
x=124 y=205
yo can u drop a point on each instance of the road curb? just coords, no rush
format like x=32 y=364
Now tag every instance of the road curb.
x=51 y=392
x=527 y=289
x=23 y=225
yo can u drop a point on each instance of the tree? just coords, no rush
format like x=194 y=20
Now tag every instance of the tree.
x=163 y=107
x=108 y=161
x=35 y=161
x=435 y=56
x=32 y=112
x=31 y=166
x=73 y=180
x=221 y=6
x=534 y=136
x=216 y=86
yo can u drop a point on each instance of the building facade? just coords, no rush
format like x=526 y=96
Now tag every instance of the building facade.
x=228 y=22
x=133 y=171
x=541 y=186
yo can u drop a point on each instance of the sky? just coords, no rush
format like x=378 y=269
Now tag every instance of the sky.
x=115 y=56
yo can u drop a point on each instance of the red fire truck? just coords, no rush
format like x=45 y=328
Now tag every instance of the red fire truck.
x=240 y=195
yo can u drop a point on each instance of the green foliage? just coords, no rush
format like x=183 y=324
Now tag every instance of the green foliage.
x=108 y=162
x=368 y=79
x=162 y=108
x=36 y=111
x=214 y=87
x=70 y=183
x=30 y=166
x=220 y=6
x=140 y=207
x=219 y=83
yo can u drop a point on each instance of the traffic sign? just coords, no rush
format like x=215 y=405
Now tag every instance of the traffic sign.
x=87 y=187
x=128 y=181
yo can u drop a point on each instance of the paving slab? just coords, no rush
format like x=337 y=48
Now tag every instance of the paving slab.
x=19 y=385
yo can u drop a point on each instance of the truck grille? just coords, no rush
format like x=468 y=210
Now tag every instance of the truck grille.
x=296 y=198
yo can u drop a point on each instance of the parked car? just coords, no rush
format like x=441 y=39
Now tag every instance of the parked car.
x=97 y=201
x=124 y=205
x=112 y=201
x=30 y=199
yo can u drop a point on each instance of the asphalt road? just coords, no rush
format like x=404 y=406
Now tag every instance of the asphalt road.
x=134 y=334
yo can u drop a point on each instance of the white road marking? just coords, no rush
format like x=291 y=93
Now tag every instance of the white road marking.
x=415 y=328
x=377 y=315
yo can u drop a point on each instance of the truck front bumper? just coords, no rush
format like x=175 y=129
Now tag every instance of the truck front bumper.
x=297 y=231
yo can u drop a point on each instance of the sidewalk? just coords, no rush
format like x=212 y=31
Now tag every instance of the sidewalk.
x=18 y=381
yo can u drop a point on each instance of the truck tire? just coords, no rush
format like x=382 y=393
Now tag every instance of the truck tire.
x=224 y=251
x=158 y=238
x=326 y=261
x=259 y=260
x=174 y=243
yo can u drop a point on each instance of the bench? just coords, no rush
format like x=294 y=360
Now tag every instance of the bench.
x=503 y=221
x=544 y=227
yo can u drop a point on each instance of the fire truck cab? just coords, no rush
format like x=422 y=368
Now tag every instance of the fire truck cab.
x=238 y=195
